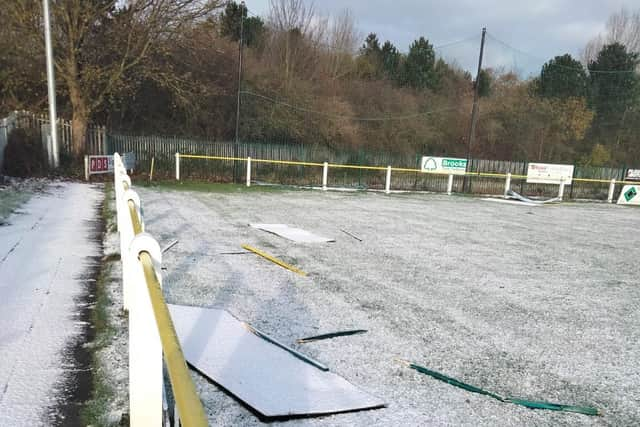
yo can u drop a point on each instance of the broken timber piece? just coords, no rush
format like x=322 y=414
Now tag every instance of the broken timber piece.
x=274 y=260
x=349 y=234
x=330 y=335
x=169 y=246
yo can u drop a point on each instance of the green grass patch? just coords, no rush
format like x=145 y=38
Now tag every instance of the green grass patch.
x=212 y=187
x=94 y=411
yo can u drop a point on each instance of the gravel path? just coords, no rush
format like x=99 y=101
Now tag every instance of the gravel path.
x=533 y=302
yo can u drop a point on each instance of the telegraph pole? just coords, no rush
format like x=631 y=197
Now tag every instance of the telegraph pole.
x=237 y=139
x=474 y=110
x=51 y=83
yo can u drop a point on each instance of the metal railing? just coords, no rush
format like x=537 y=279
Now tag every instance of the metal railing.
x=507 y=177
x=151 y=330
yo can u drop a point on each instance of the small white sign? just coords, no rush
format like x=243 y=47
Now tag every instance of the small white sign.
x=444 y=165
x=548 y=173
x=633 y=175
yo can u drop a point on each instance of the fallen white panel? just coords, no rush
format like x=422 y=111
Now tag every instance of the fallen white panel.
x=296 y=234
x=513 y=195
x=268 y=378
x=511 y=202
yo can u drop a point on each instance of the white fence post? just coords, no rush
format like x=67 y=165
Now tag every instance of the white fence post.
x=450 y=184
x=507 y=185
x=248 y=171
x=145 y=349
x=177 y=166
x=86 y=169
x=612 y=188
x=325 y=174
x=387 y=186
x=561 y=190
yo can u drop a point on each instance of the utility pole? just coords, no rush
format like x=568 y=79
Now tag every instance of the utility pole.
x=51 y=83
x=474 y=111
x=243 y=8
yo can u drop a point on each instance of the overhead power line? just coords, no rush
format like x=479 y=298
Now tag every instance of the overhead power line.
x=343 y=117
x=343 y=50
x=546 y=61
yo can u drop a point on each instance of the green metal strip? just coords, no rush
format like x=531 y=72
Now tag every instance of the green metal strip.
x=532 y=404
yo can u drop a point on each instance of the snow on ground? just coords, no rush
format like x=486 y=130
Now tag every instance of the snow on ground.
x=540 y=303
x=16 y=191
x=45 y=250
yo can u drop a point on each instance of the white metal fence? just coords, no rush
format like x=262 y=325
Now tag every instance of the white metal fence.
x=95 y=140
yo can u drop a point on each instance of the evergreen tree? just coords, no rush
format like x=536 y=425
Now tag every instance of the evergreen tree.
x=562 y=77
x=419 y=70
x=614 y=85
x=252 y=27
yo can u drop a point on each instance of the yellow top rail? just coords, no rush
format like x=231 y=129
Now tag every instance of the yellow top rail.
x=384 y=168
x=189 y=405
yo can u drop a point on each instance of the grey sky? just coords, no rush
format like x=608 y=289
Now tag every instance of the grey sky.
x=538 y=29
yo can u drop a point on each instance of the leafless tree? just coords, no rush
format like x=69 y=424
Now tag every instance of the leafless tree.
x=342 y=40
x=622 y=27
x=296 y=34
x=97 y=42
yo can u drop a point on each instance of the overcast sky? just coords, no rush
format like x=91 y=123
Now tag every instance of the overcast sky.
x=538 y=29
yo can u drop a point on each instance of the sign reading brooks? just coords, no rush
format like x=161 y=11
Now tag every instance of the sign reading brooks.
x=444 y=165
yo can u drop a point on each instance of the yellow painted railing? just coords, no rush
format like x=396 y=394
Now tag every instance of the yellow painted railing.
x=508 y=177
x=379 y=168
x=151 y=329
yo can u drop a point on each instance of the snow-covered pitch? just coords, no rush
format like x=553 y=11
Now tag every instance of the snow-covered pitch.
x=541 y=303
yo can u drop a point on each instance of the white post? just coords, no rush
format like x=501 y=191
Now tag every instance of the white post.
x=507 y=185
x=248 y=171
x=177 y=166
x=450 y=184
x=561 y=190
x=612 y=188
x=86 y=169
x=387 y=186
x=145 y=349
x=325 y=173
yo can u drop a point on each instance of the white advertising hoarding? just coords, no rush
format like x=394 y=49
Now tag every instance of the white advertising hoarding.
x=548 y=173
x=444 y=165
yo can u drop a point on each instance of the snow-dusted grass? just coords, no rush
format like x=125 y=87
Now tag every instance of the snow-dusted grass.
x=541 y=303
x=16 y=191
x=110 y=400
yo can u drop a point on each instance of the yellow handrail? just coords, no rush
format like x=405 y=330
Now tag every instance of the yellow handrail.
x=189 y=405
x=384 y=168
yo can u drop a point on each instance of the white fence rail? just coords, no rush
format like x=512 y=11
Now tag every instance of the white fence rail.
x=151 y=331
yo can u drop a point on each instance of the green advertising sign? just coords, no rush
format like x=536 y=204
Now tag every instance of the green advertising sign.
x=444 y=165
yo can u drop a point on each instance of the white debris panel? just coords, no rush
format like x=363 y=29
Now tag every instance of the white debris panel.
x=268 y=378
x=295 y=234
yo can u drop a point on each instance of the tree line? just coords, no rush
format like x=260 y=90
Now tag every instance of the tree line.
x=171 y=67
